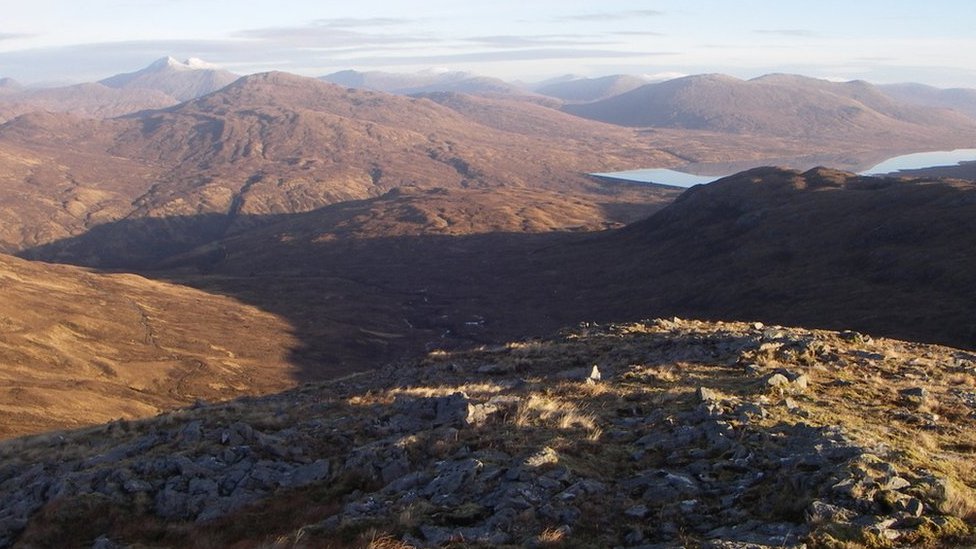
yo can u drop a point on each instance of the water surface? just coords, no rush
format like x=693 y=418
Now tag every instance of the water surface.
x=701 y=174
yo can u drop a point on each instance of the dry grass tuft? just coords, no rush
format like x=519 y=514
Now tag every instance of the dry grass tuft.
x=958 y=500
x=387 y=541
x=552 y=537
x=471 y=389
x=541 y=410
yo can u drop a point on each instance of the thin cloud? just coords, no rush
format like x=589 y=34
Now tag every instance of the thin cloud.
x=637 y=33
x=13 y=36
x=539 y=54
x=528 y=41
x=361 y=22
x=612 y=15
x=795 y=33
x=325 y=35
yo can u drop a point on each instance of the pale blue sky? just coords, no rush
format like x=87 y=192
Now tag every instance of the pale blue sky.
x=929 y=41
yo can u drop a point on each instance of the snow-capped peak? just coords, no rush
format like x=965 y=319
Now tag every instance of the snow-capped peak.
x=172 y=63
x=197 y=63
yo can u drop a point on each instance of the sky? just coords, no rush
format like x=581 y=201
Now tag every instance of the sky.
x=881 y=41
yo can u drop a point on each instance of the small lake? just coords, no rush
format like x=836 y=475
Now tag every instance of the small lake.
x=660 y=176
x=916 y=161
x=685 y=177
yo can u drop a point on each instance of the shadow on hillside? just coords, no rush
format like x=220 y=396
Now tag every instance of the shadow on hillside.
x=356 y=303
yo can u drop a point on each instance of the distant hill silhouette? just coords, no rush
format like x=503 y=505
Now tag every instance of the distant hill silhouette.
x=790 y=106
x=584 y=90
x=85 y=100
x=422 y=82
x=960 y=99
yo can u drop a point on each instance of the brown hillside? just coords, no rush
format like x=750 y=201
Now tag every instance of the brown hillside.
x=821 y=248
x=79 y=348
x=391 y=276
x=277 y=144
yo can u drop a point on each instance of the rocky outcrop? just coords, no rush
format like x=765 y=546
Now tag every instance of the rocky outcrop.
x=718 y=435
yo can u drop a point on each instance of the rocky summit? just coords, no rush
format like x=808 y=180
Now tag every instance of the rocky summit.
x=662 y=433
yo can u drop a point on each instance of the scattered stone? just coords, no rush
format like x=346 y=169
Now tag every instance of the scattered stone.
x=637 y=511
x=581 y=374
x=546 y=456
x=914 y=392
x=103 y=542
x=192 y=433
x=787 y=381
x=777 y=380
x=820 y=512
x=895 y=483
x=306 y=474
x=708 y=395
x=912 y=506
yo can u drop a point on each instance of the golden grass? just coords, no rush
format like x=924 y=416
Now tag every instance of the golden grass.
x=550 y=411
x=552 y=537
x=387 y=541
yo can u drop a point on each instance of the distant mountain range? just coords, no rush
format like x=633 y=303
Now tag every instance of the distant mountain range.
x=422 y=82
x=797 y=105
